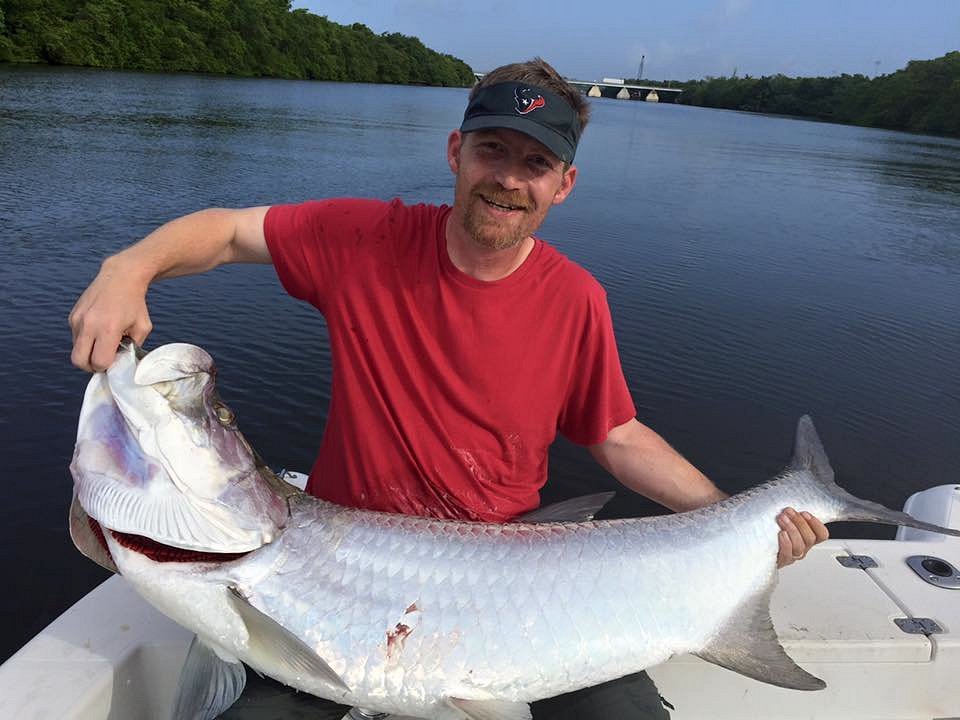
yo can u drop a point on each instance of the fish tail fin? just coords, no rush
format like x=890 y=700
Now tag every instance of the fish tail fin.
x=810 y=457
x=865 y=511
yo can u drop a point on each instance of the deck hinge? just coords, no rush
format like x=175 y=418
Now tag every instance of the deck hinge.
x=859 y=562
x=918 y=626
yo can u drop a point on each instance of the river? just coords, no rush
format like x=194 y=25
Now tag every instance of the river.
x=757 y=268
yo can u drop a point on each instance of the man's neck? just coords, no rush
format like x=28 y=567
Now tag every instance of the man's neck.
x=482 y=263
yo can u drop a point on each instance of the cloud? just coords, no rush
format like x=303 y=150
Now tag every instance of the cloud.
x=723 y=14
x=736 y=8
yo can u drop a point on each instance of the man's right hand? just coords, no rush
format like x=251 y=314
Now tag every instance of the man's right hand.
x=114 y=305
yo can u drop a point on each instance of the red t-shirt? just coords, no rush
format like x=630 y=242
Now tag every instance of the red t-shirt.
x=448 y=390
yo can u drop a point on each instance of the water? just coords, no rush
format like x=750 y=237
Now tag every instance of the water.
x=757 y=268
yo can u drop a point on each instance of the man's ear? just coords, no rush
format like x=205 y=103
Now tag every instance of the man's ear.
x=566 y=185
x=454 y=142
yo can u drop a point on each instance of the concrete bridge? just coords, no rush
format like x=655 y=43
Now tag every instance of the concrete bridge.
x=618 y=88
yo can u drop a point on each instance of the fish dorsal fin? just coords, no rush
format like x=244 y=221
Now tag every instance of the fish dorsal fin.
x=85 y=539
x=748 y=644
x=208 y=685
x=277 y=651
x=491 y=709
x=578 y=509
x=808 y=453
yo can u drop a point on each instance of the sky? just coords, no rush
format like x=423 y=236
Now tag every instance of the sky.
x=679 y=40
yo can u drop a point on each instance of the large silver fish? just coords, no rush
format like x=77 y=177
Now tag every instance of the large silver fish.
x=417 y=617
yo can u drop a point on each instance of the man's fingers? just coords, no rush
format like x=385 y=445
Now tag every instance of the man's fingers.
x=819 y=529
x=94 y=346
x=807 y=536
x=785 y=553
x=98 y=327
x=104 y=351
x=799 y=533
x=80 y=356
x=74 y=325
x=798 y=546
x=140 y=330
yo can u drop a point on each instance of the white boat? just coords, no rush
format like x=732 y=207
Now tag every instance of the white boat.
x=878 y=620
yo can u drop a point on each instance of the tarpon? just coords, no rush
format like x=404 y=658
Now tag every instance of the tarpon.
x=407 y=615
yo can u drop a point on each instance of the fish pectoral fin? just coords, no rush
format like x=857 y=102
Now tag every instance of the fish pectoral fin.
x=578 y=509
x=748 y=644
x=491 y=709
x=208 y=685
x=276 y=650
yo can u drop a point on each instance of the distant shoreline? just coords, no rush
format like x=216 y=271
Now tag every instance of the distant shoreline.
x=923 y=97
x=245 y=38
x=208 y=73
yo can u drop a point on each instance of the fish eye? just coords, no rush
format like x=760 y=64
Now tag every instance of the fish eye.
x=225 y=416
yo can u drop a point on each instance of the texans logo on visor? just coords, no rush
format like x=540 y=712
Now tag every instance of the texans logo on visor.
x=526 y=101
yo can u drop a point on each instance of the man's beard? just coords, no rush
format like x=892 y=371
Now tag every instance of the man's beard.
x=488 y=233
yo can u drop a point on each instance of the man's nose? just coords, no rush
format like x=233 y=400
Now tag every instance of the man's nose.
x=510 y=174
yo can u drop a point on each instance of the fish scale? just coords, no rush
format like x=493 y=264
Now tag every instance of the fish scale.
x=436 y=619
x=558 y=640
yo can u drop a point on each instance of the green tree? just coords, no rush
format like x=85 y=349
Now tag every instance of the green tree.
x=242 y=37
x=5 y=45
x=922 y=97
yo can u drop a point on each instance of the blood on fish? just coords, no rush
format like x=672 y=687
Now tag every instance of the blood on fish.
x=400 y=632
x=396 y=637
x=158 y=552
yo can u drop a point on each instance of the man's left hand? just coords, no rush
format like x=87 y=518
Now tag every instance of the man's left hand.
x=799 y=532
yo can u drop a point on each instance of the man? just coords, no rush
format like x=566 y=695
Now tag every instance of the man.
x=461 y=342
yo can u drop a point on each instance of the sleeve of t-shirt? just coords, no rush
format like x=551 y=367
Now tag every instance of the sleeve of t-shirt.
x=598 y=399
x=313 y=244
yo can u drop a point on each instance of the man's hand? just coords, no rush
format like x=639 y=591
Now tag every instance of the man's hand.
x=800 y=532
x=114 y=305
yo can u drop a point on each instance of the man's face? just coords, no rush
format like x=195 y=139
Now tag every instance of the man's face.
x=506 y=183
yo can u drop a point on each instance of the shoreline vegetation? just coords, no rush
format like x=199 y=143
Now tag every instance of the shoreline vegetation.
x=923 y=97
x=253 y=38
x=268 y=38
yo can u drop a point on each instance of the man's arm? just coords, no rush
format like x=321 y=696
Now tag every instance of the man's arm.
x=115 y=303
x=643 y=461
